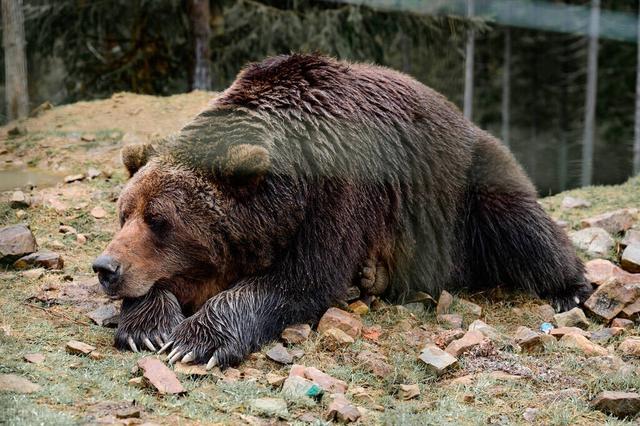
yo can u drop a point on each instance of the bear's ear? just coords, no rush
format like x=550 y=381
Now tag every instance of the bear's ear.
x=246 y=163
x=137 y=155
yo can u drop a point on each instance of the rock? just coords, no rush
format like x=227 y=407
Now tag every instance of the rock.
x=375 y=363
x=631 y=311
x=17 y=131
x=279 y=354
x=333 y=339
x=103 y=314
x=595 y=241
x=583 y=345
x=631 y=237
x=93 y=173
x=613 y=222
x=607 y=364
x=33 y=274
x=295 y=334
x=531 y=341
x=270 y=406
x=372 y=333
x=42 y=258
x=160 y=376
x=469 y=309
x=20 y=214
x=88 y=137
x=470 y=340
x=407 y=392
x=605 y=334
x=619 y=404
x=17 y=384
x=546 y=312
x=79 y=348
x=342 y=410
x=128 y=413
x=297 y=386
x=56 y=204
x=450 y=320
x=622 y=323
x=34 y=358
x=600 y=271
x=81 y=239
x=486 y=330
x=231 y=375
x=630 y=260
x=573 y=318
x=249 y=373
x=574 y=203
x=275 y=380
x=444 y=303
x=630 y=346
x=16 y=241
x=359 y=308
x=611 y=298
x=561 y=331
x=436 y=360
x=326 y=382
x=444 y=338
x=337 y=318
x=19 y=200
x=73 y=178
x=67 y=229
x=96 y=356
x=530 y=414
x=98 y=212
x=190 y=369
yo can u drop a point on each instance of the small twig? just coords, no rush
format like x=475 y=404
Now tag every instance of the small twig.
x=56 y=314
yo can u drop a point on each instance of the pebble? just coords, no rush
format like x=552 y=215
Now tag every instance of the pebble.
x=342 y=410
x=334 y=339
x=561 y=331
x=407 y=392
x=574 y=203
x=450 y=321
x=630 y=259
x=93 y=173
x=359 y=308
x=73 y=178
x=297 y=386
x=16 y=241
x=160 y=376
x=296 y=334
x=275 y=380
x=19 y=200
x=573 y=318
x=98 y=212
x=270 y=406
x=33 y=274
x=632 y=236
x=279 y=353
x=622 y=323
x=78 y=348
x=342 y=320
x=486 y=330
x=129 y=413
x=34 y=358
x=605 y=334
x=470 y=340
x=326 y=382
x=375 y=363
x=620 y=404
x=546 y=312
x=532 y=341
x=81 y=239
x=530 y=414
x=436 y=360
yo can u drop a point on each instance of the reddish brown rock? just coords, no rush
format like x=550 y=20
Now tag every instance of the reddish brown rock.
x=531 y=341
x=605 y=334
x=325 y=381
x=631 y=311
x=160 y=376
x=342 y=410
x=450 y=320
x=79 y=348
x=611 y=298
x=334 y=339
x=546 y=312
x=600 y=271
x=98 y=212
x=582 y=344
x=407 y=392
x=632 y=236
x=43 y=258
x=622 y=323
x=375 y=363
x=470 y=340
x=620 y=404
x=295 y=334
x=469 y=309
x=613 y=222
x=337 y=318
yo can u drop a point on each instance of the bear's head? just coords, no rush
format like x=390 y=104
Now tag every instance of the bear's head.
x=184 y=221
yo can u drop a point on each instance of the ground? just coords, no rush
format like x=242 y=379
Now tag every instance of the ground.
x=41 y=314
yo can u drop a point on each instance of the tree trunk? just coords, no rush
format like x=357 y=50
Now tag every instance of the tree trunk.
x=468 y=65
x=636 y=142
x=199 y=16
x=592 y=86
x=506 y=87
x=15 y=59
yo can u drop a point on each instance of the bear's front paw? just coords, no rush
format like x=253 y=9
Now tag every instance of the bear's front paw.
x=148 y=321
x=200 y=339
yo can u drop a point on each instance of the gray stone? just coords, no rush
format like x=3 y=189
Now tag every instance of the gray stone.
x=486 y=330
x=103 y=315
x=632 y=236
x=19 y=200
x=450 y=320
x=297 y=386
x=630 y=260
x=444 y=303
x=270 y=406
x=436 y=360
x=279 y=353
x=73 y=178
x=574 y=203
x=595 y=241
x=16 y=241
x=620 y=404
x=573 y=318
x=295 y=334
x=43 y=258
x=613 y=222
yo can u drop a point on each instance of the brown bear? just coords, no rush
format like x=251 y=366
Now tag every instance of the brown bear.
x=260 y=212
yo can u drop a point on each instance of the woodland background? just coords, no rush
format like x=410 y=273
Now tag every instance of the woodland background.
x=524 y=66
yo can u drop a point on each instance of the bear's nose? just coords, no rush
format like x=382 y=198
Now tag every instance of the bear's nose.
x=108 y=270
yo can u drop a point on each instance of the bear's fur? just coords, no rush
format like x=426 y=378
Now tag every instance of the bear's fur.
x=260 y=212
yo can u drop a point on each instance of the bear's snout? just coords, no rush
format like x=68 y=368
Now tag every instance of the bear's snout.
x=109 y=272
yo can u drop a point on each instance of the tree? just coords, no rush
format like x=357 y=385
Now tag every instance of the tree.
x=15 y=60
x=468 y=65
x=199 y=16
x=592 y=86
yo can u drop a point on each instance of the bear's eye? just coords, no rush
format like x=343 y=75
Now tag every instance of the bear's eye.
x=157 y=224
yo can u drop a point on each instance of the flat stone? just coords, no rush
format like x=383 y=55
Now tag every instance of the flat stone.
x=16 y=241
x=375 y=363
x=407 y=392
x=19 y=200
x=583 y=345
x=486 y=330
x=334 y=339
x=470 y=340
x=103 y=314
x=98 y=212
x=613 y=222
x=270 y=406
x=595 y=241
x=573 y=318
x=194 y=370
x=297 y=386
x=96 y=356
x=342 y=410
x=342 y=320
x=129 y=413
x=33 y=274
x=16 y=384
x=469 y=309
x=34 y=358
x=574 y=203
x=67 y=229
x=326 y=382
x=160 y=376
x=622 y=323
x=630 y=346
x=561 y=331
x=93 y=173
x=79 y=348
x=42 y=258
x=532 y=341
x=600 y=271
x=444 y=303
x=632 y=236
x=546 y=312
x=630 y=260
x=295 y=334
x=73 y=178
x=275 y=380
x=450 y=320
x=611 y=298
x=279 y=353
x=436 y=360
x=88 y=137
x=619 y=404
x=631 y=311
x=605 y=334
